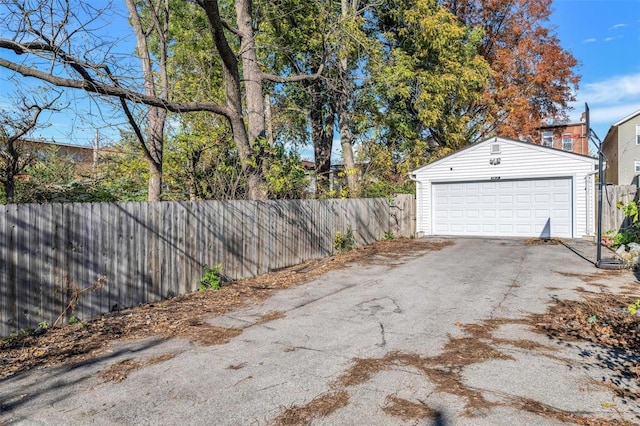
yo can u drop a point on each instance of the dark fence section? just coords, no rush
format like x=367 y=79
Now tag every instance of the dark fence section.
x=98 y=257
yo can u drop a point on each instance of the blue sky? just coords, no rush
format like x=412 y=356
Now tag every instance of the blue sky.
x=604 y=36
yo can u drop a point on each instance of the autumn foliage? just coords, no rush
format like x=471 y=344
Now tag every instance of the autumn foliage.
x=533 y=77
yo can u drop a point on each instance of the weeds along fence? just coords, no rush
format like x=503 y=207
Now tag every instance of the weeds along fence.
x=613 y=218
x=85 y=259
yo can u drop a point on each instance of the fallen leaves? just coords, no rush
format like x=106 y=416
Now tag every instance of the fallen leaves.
x=185 y=316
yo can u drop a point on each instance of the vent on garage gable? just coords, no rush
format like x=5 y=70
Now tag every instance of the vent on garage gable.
x=495 y=148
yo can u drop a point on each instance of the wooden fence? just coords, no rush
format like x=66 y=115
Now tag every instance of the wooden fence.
x=135 y=253
x=612 y=217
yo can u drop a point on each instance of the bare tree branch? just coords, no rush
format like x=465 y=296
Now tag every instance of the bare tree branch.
x=93 y=86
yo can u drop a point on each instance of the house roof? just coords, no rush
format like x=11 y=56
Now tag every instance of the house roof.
x=511 y=141
x=607 y=139
x=559 y=125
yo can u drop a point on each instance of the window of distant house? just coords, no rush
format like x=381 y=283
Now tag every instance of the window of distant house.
x=547 y=139
x=637 y=166
x=637 y=134
x=567 y=142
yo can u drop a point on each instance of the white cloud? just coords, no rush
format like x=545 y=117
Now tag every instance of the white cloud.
x=613 y=90
x=616 y=26
x=613 y=113
x=590 y=40
x=609 y=100
x=612 y=38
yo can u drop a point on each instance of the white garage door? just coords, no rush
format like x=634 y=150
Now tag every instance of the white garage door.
x=530 y=208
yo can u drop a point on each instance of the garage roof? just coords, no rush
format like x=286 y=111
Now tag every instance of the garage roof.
x=500 y=139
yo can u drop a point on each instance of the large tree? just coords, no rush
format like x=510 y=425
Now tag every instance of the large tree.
x=533 y=77
x=425 y=79
x=150 y=23
x=50 y=36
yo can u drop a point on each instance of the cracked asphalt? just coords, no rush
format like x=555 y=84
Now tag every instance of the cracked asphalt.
x=404 y=320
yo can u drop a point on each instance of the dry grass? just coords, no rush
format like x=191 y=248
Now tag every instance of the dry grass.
x=549 y=412
x=408 y=410
x=321 y=406
x=120 y=370
x=543 y=241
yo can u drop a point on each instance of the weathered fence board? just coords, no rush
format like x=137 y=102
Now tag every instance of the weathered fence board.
x=52 y=254
x=613 y=218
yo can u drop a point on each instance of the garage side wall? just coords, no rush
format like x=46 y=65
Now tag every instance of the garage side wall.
x=513 y=160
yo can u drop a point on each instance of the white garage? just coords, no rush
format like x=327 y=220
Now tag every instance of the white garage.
x=503 y=187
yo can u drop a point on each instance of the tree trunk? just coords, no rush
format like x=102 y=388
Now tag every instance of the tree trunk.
x=243 y=137
x=10 y=188
x=322 y=125
x=350 y=167
x=155 y=143
x=156 y=117
x=344 y=116
x=12 y=169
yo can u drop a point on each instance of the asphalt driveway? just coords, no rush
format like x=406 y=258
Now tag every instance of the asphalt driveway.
x=386 y=342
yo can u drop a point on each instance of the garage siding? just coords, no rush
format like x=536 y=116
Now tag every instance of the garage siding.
x=515 y=160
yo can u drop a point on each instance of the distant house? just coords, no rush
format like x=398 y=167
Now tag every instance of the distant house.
x=571 y=137
x=85 y=157
x=621 y=148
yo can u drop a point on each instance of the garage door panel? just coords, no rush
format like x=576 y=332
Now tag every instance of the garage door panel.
x=472 y=200
x=504 y=208
x=542 y=214
x=489 y=229
x=505 y=229
x=523 y=229
x=472 y=213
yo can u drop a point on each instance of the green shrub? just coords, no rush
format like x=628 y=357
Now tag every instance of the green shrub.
x=344 y=242
x=627 y=235
x=211 y=278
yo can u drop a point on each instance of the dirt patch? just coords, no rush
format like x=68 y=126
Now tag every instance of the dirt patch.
x=543 y=241
x=591 y=278
x=209 y=336
x=183 y=316
x=408 y=410
x=320 y=406
x=271 y=316
x=364 y=369
x=543 y=410
x=599 y=318
x=120 y=370
x=604 y=320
